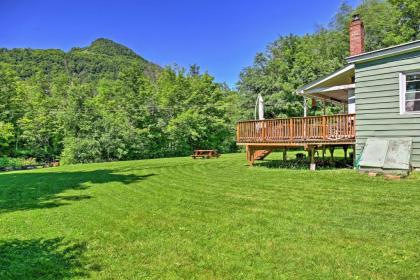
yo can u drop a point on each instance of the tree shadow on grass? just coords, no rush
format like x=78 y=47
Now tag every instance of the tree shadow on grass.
x=43 y=259
x=303 y=164
x=36 y=190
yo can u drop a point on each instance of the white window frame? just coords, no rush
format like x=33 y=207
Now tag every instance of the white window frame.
x=403 y=91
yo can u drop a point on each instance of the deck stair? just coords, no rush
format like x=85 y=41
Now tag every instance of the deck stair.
x=261 y=154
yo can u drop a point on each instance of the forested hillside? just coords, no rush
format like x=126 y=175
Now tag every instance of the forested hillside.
x=105 y=102
x=102 y=59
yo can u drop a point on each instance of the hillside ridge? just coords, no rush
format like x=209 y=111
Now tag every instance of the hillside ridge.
x=102 y=58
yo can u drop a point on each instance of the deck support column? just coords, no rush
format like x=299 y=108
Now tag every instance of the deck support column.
x=331 y=148
x=284 y=154
x=345 y=147
x=311 y=152
x=354 y=155
x=250 y=155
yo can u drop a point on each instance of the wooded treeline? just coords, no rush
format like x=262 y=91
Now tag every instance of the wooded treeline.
x=104 y=102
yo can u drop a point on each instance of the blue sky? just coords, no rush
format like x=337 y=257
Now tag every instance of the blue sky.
x=220 y=36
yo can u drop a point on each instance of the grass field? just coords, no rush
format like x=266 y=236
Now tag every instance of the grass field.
x=207 y=219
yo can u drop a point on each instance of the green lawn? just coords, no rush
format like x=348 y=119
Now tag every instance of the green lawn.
x=207 y=219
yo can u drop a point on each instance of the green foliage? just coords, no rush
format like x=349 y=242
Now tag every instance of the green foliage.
x=80 y=150
x=15 y=163
x=6 y=134
x=381 y=24
x=408 y=12
x=199 y=117
x=102 y=59
x=10 y=95
x=105 y=103
x=108 y=47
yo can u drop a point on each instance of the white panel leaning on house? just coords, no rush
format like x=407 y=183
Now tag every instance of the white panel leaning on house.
x=387 y=154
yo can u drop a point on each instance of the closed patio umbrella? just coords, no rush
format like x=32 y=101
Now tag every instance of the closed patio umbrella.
x=259 y=105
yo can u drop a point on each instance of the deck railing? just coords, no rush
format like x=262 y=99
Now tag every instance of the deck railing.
x=336 y=128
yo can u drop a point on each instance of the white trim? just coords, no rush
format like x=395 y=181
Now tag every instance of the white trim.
x=329 y=89
x=303 y=89
x=403 y=91
x=324 y=98
x=386 y=52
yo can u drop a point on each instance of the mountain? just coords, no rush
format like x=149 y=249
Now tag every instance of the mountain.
x=108 y=47
x=103 y=58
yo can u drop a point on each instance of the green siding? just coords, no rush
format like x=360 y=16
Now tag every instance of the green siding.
x=378 y=102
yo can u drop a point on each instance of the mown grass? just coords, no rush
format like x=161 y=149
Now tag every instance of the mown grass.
x=206 y=219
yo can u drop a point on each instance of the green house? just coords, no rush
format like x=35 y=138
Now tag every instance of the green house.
x=382 y=89
x=387 y=95
x=380 y=94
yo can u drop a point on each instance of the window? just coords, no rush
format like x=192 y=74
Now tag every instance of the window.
x=410 y=93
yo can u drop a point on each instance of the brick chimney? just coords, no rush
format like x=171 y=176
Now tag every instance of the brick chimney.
x=357 y=36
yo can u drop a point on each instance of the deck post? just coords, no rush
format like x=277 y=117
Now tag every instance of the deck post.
x=345 y=147
x=263 y=130
x=291 y=129
x=285 y=154
x=311 y=152
x=250 y=155
x=324 y=127
x=237 y=132
x=331 y=148
x=354 y=155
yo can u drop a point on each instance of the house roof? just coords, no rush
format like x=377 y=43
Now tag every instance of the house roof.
x=386 y=52
x=332 y=87
x=338 y=77
x=335 y=85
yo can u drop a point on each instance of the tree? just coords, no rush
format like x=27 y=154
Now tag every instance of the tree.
x=381 y=24
x=6 y=136
x=408 y=12
x=10 y=95
x=40 y=126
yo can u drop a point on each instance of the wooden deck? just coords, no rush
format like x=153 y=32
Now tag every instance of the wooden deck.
x=298 y=131
x=308 y=132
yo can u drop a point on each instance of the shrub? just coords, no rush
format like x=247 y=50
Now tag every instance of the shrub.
x=15 y=163
x=29 y=161
x=80 y=151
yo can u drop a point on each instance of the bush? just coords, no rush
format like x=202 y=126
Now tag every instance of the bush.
x=29 y=161
x=15 y=163
x=80 y=151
